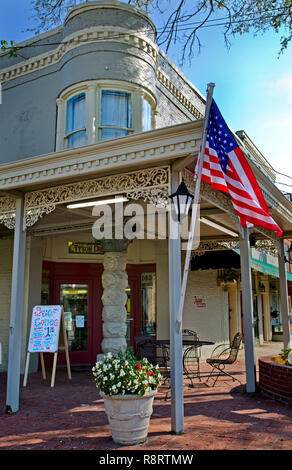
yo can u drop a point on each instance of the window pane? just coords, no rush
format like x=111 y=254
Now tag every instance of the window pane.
x=147 y=116
x=107 y=134
x=76 y=140
x=148 y=293
x=76 y=113
x=116 y=109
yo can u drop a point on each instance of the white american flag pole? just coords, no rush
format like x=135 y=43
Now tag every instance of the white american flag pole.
x=210 y=88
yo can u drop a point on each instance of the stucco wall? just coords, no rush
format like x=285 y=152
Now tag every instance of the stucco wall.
x=28 y=117
x=206 y=308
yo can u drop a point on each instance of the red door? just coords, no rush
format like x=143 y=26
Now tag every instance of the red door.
x=77 y=287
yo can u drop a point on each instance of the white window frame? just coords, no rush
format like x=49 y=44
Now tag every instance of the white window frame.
x=93 y=90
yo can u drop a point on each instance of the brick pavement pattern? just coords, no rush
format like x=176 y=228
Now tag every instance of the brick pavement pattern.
x=71 y=416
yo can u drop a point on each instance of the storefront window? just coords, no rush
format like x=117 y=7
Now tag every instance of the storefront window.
x=275 y=313
x=148 y=292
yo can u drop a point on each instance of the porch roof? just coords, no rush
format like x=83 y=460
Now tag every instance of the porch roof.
x=173 y=147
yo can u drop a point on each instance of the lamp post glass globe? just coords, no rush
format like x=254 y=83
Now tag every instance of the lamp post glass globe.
x=182 y=200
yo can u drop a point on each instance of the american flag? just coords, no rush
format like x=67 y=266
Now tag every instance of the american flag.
x=226 y=169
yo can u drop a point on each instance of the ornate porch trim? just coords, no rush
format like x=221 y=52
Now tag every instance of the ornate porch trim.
x=150 y=184
x=267 y=246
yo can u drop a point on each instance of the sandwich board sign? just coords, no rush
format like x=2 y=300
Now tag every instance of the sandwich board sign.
x=47 y=334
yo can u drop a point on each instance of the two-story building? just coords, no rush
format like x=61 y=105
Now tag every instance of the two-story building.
x=91 y=111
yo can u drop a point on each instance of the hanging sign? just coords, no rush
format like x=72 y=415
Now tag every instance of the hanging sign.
x=82 y=248
x=47 y=334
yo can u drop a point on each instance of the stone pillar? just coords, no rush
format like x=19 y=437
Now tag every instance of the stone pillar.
x=114 y=281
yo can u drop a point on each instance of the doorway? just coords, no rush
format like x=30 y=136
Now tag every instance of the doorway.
x=78 y=288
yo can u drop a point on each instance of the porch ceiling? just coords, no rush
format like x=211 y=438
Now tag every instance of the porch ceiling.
x=63 y=220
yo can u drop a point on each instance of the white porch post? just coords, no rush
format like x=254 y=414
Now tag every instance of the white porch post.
x=174 y=266
x=16 y=311
x=247 y=305
x=284 y=297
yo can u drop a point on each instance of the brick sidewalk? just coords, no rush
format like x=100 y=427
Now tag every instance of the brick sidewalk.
x=71 y=416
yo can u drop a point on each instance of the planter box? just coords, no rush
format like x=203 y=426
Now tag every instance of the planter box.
x=275 y=380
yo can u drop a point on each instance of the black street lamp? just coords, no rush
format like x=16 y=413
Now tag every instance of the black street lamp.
x=182 y=200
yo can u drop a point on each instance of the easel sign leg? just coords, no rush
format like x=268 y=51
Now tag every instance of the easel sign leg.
x=26 y=369
x=43 y=365
x=54 y=369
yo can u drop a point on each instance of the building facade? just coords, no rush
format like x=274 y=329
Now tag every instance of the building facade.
x=94 y=110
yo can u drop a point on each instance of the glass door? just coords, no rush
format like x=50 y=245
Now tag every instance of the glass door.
x=76 y=299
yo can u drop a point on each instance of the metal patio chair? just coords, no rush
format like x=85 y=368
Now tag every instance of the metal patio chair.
x=156 y=353
x=224 y=358
x=145 y=347
x=163 y=360
x=191 y=355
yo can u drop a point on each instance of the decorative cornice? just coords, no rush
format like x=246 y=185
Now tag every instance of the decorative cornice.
x=167 y=83
x=77 y=39
x=99 y=34
x=148 y=148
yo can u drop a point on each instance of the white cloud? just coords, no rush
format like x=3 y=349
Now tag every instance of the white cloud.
x=284 y=85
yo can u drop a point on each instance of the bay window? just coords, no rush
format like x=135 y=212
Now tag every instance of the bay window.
x=97 y=111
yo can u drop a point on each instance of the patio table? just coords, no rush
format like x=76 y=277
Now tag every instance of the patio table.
x=190 y=347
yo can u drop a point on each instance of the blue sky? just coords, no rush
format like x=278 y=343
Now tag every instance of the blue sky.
x=253 y=86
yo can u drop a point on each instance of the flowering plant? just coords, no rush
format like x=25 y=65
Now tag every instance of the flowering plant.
x=123 y=374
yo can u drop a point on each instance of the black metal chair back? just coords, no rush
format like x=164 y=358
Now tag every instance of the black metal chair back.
x=145 y=347
x=234 y=348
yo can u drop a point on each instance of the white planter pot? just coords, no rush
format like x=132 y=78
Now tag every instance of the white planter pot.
x=129 y=416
